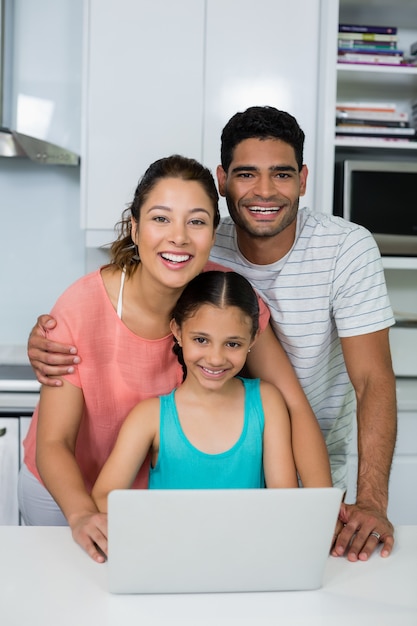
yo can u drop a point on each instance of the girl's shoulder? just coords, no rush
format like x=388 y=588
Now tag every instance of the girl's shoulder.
x=263 y=385
x=150 y=406
x=271 y=396
x=145 y=413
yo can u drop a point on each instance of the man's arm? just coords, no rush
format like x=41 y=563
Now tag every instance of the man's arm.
x=50 y=358
x=368 y=362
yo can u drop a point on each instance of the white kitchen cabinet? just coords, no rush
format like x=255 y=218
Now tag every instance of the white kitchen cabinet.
x=165 y=77
x=143 y=97
x=9 y=468
x=13 y=430
x=264 y=55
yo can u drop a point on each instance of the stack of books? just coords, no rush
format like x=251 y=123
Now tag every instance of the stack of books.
x=380 y=121
x=375 y=45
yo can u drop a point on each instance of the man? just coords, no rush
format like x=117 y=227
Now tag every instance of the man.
x=323 y=280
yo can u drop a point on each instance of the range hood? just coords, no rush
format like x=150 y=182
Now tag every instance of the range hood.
x=12 y=143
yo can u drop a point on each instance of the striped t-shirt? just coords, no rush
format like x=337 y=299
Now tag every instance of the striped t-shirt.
x=330 y=284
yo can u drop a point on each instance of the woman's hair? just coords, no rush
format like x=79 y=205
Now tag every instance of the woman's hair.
x=219 y=289
x=123 y=251
x=261 y=122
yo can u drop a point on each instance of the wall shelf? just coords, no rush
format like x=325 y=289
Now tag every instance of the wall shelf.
x=367 y=143
x=357 y=71
x=399 y=263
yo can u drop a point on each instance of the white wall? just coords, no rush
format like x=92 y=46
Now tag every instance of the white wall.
x=41 y=242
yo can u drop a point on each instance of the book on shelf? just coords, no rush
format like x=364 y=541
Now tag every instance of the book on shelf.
x=375 y=115
x=372 y=46
x=369 y=59
x=382 y=57
x=372 y=123
x=360 y=139
x=375 y=130
x=354 y=105
x=364 y=28
x=370 y=51
x=367 y=37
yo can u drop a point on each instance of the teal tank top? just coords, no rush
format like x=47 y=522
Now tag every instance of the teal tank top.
x=182 y=466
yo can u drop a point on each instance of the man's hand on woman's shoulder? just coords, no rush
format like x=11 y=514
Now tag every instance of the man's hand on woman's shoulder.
x=49 y=359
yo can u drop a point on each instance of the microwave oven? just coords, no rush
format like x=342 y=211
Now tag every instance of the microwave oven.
x=382 y=197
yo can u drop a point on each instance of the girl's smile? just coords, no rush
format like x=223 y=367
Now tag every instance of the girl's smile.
x=215 y=343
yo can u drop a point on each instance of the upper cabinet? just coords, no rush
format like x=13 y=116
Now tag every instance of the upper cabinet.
x=143 y=97
x=263 y=54
x=163 y=78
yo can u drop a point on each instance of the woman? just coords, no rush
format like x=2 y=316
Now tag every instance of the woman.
x=119 y=318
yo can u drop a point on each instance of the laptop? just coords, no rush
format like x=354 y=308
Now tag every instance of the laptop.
x=190 y=541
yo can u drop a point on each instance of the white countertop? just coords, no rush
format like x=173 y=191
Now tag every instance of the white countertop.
x=47 y=580
x=18 y=402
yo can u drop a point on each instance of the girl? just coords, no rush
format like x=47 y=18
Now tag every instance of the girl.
x=216 y=430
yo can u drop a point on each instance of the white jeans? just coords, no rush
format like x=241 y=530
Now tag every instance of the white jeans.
x=37 y=506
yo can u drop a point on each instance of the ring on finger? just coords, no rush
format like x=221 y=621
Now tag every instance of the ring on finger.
x=375 y=534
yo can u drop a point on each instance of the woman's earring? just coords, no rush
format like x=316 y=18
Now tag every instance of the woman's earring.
x=249 y=350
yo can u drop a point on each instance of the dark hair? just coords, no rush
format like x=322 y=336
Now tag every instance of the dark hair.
x=220 y=289
x=123 y=250
x=261 y=123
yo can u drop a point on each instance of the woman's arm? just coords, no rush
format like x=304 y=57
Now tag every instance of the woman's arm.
x=138 y=434
x=268 y=361
x=60 y=413
x=279 y=466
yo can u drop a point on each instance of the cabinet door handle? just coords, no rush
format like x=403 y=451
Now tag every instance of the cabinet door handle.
x=3 y=431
